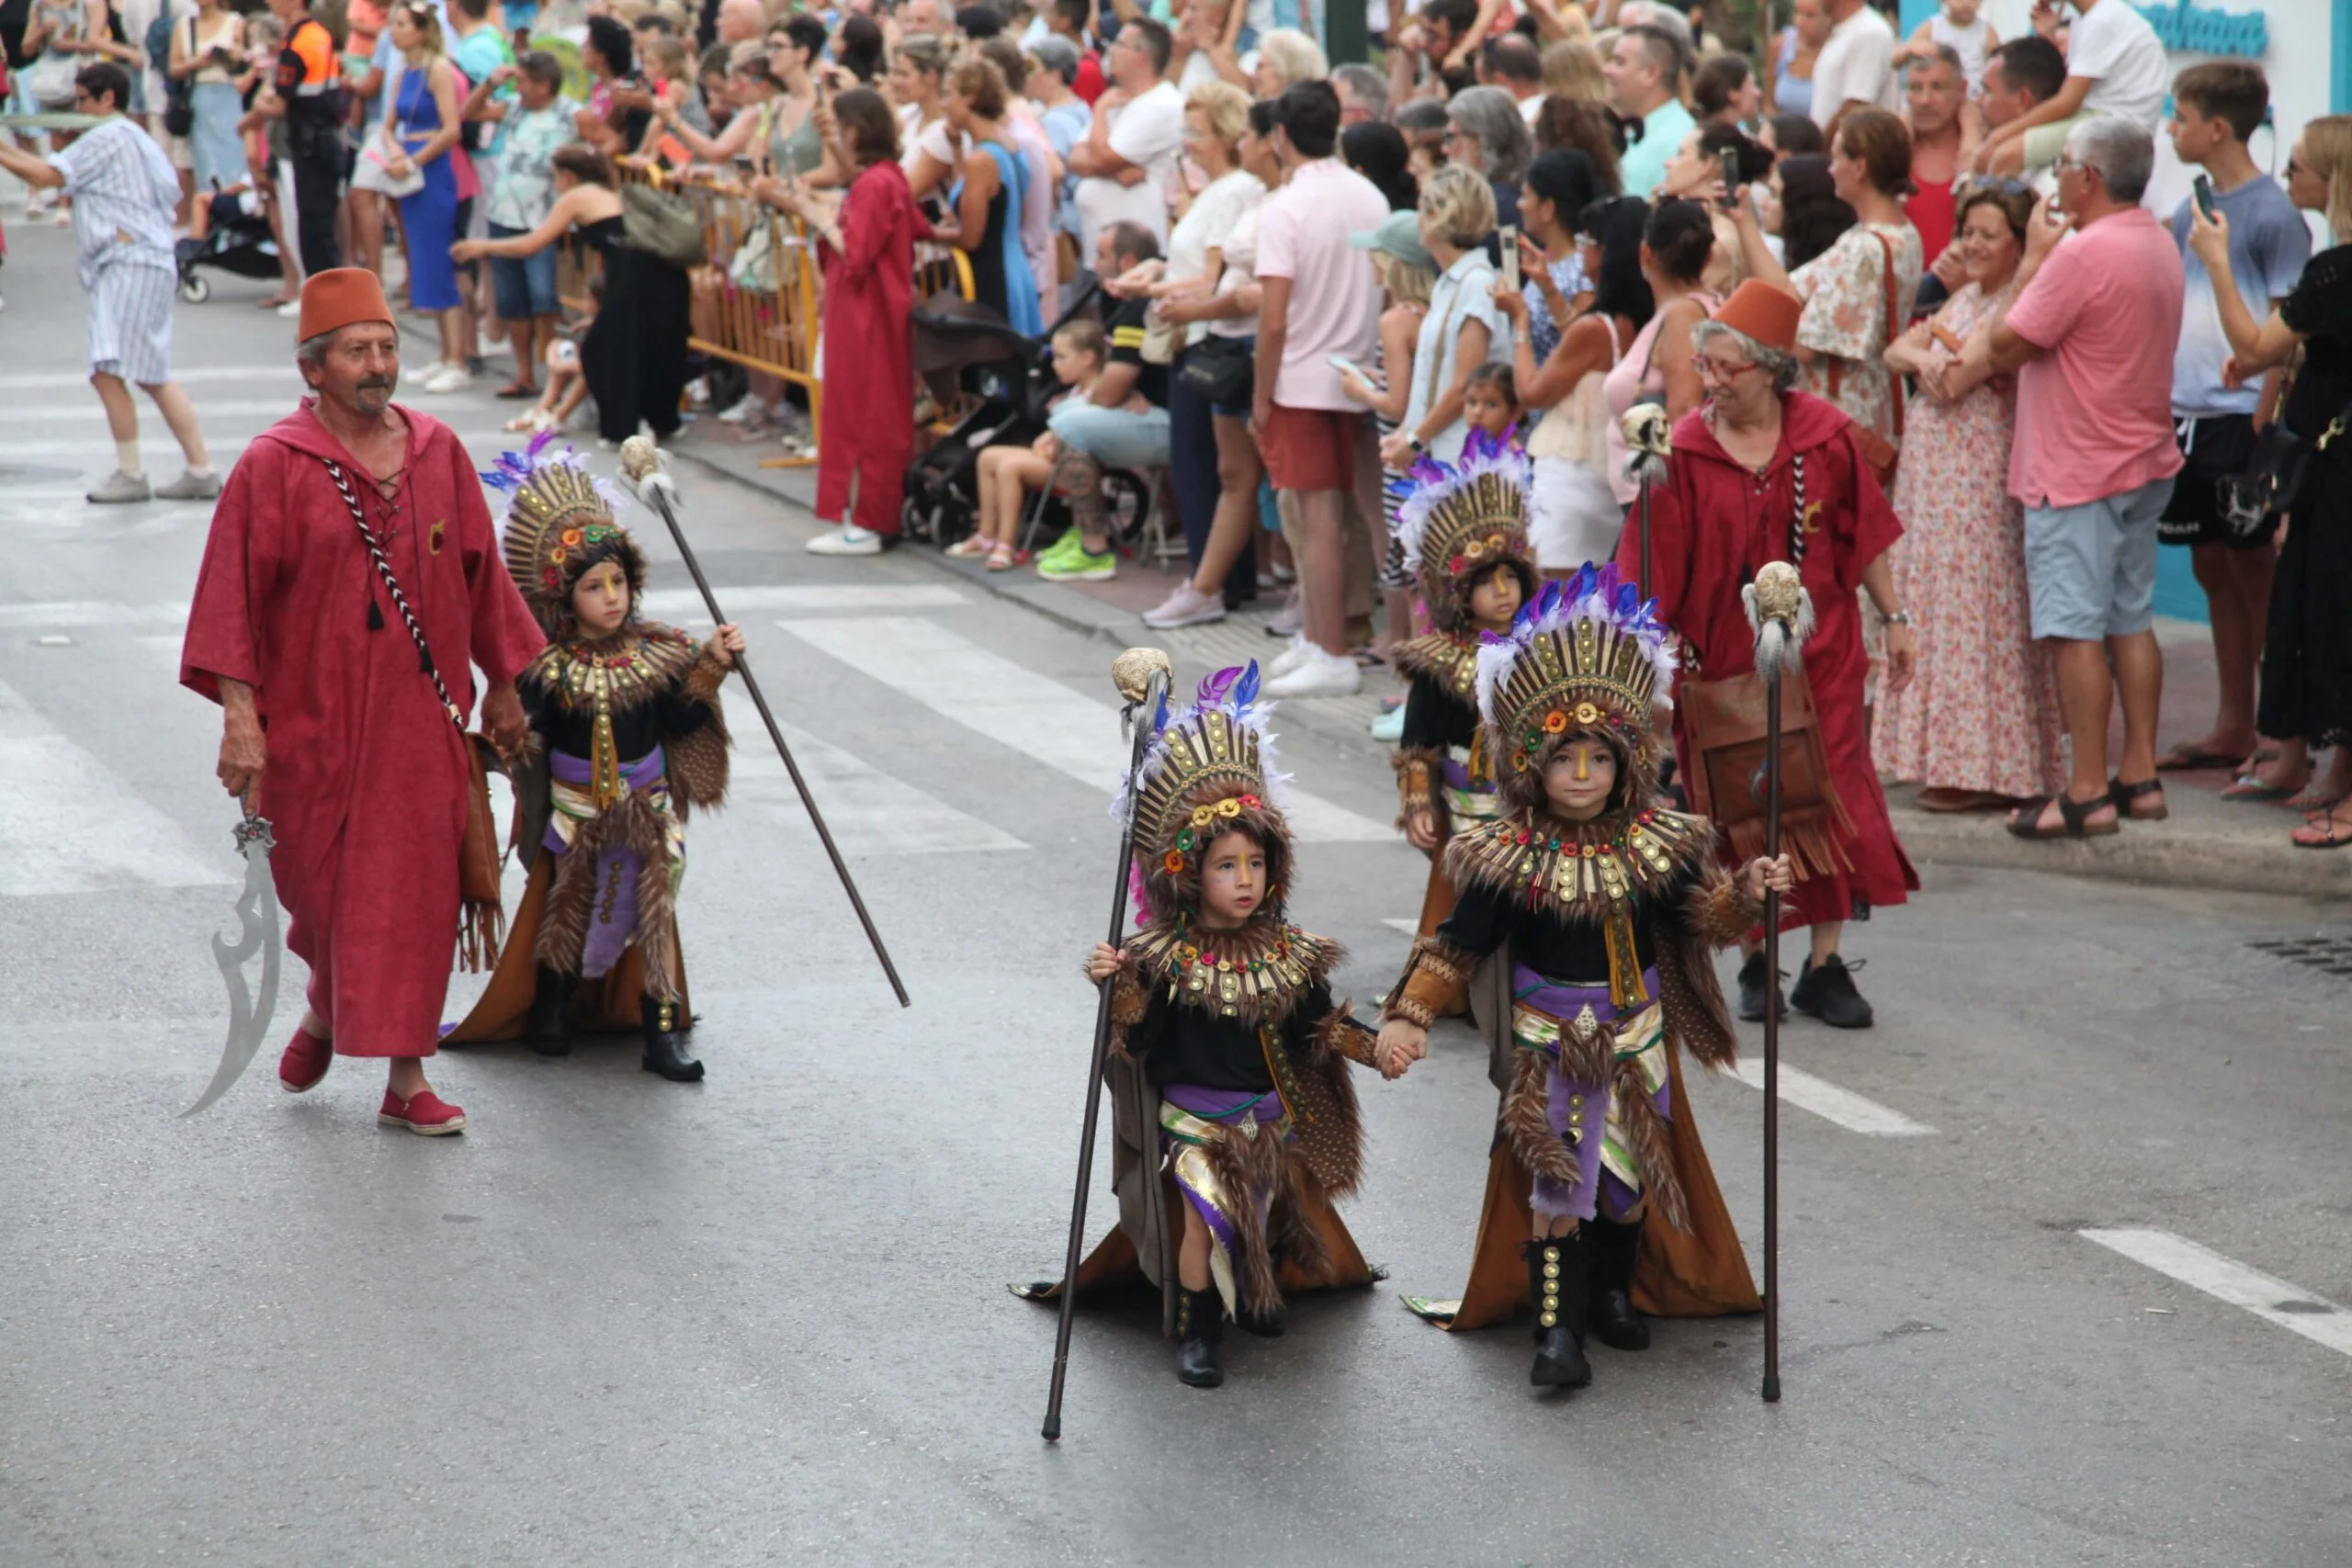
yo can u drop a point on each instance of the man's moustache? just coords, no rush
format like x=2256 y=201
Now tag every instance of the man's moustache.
x=378 y=384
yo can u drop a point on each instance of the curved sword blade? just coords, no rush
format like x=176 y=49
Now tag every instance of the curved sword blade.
x=250 y=1007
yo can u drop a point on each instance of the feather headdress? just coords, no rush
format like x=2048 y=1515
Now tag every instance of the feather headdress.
x=1457 y=521
x=1588 y=657
x=1208 y=769
x=559 y=523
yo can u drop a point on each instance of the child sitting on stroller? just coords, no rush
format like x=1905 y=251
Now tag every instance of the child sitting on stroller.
x=1008 y=472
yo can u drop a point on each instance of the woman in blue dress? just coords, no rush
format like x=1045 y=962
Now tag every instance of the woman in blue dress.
x=423 y=131
x=988 y=208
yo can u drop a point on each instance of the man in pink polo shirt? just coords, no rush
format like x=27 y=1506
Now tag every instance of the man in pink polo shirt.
x=1319 y=299
x=2091 y=334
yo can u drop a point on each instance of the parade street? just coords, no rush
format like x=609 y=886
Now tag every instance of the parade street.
x=2066 y=1238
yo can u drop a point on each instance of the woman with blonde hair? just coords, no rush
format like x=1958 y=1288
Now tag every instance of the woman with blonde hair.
x=917 y=84
x=1285 y=57
x=1572 y=70
x=1217 y=121
x=1462 y=329
x=2306 y=702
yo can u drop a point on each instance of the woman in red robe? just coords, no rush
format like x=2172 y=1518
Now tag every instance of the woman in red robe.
x=865 y=437
x=1731 y=495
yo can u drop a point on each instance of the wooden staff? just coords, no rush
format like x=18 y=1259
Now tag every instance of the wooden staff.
x=641 y=463
x=1142 y=676
x=1782 y=614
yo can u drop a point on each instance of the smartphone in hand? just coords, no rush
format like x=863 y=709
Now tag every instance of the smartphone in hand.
x=1727 y=160
x=1345 y=366
x=2202 y=188
x=1509 y=236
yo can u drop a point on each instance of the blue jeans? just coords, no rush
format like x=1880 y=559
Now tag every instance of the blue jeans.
x=525 y=287
x=1112 y=437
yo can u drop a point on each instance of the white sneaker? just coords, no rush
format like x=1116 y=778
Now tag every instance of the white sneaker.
x=1290 y=619
x=1319 y=674
x=745 y=407
x=849 y=539
x=1188 y=606
x=446 y=378
x=291 y=310
x=1290 y=657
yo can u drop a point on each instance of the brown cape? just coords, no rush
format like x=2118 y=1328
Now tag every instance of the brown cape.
x=1700 y=1272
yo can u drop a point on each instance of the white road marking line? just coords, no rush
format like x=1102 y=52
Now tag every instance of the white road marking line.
x=2224 y=1278
x=1826 y=1100
x=684 y=605
x=957 y=678
x=156 y=441
x=1410 y=928
x=868 y=811
x=94 y=613
x=72 y=826
x=57 y=410
x=44 y=380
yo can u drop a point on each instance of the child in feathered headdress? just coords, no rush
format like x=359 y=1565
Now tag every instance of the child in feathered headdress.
x=1582 y=939
x=630 y=735
x=1231 y=1104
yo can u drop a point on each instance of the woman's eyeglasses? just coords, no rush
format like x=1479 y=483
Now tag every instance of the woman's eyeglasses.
x=1711 y=369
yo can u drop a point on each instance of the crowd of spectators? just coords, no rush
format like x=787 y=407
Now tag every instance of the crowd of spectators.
x=1268 y=285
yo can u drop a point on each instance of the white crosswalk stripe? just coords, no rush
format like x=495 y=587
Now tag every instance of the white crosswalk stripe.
x=1826 y=1100
x=1075 y=735
x=870 y=812
x=2224 y=1278
x=71 y=825
x=684 y=607
x=47 y=380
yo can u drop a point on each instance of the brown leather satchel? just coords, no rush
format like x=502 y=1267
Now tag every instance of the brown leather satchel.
x=1883 y=456
x=1725 y=721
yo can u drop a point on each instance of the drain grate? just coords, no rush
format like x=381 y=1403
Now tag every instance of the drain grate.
x=2328 y=955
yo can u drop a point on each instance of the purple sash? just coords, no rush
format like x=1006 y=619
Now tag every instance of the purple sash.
x=614 y=917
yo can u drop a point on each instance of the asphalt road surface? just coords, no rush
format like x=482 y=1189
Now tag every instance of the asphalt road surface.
x=2064 y=1236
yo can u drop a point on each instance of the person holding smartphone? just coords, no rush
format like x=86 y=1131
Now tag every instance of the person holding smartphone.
x=206 y=51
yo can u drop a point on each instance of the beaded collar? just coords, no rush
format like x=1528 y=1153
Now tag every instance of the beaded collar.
x=618 y=673
x=1581 y=870
x=1254 y=975
x=1445 y=658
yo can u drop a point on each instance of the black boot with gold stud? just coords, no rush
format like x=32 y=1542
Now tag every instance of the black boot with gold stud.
x=1555 y=1275
x=1200 y=1332
x=665 y=1053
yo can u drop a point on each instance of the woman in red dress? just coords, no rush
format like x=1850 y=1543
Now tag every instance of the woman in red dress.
x=1763 y=473
x=866 y=434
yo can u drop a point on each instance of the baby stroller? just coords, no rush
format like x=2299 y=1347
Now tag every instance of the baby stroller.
x=970 y=357
x=239 y=241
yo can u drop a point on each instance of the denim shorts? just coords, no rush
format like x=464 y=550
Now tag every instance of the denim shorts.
x=525 y=287
x=2090 y=570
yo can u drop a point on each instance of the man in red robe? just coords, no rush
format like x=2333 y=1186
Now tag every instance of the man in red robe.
x=328 y=710
x=1727 y=506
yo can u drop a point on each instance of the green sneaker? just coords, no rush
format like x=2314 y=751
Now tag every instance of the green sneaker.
x=1081 y=566
x=1063 y=550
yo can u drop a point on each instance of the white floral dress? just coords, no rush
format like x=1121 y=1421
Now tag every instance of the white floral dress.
x=1982 y=713
x=1845 y=322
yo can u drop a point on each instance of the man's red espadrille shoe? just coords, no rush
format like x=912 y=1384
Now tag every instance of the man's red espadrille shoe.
x=305 y=1063
x=425 y=1112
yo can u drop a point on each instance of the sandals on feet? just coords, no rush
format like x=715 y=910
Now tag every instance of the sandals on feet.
x=967 y=547
x=2249 y=786
x=2074 y=816
x=2330 y=832
x=1003 y=559
x=2122 y=796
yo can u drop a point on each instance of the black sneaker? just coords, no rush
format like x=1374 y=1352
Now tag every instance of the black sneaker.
x=1752 y=989
x=1827 y=993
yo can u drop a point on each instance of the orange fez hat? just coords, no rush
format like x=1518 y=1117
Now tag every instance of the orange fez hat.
x=1756 y=309
x=339 y=297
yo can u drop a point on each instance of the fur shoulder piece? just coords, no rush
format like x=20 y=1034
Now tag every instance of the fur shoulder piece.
x=1254 y=975
x=1578 y=870
x=1450 y=662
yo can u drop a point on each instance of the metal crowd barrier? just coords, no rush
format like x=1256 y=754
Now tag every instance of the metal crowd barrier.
x=759 y=301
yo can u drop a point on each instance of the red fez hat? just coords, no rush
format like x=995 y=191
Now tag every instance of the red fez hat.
x=338 y=297
x=1756 y=309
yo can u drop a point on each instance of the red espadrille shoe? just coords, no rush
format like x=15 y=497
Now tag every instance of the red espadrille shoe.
x=306 y=1061
x=426 y=1112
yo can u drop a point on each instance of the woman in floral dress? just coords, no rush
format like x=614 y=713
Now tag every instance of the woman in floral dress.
x=1979 y=724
